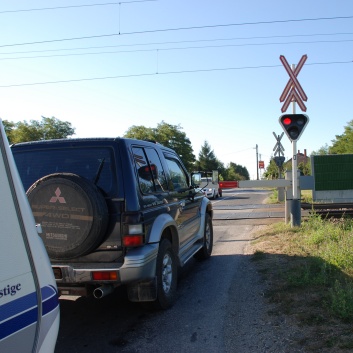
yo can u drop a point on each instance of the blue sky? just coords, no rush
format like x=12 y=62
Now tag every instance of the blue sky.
x=211 y=66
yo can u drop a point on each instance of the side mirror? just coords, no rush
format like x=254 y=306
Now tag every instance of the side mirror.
x=195 y=179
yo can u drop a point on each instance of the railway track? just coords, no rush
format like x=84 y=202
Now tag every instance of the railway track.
x=330 y=210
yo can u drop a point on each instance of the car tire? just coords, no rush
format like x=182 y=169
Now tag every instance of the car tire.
x=72 y=213
x=166 y=273
x=206 y=250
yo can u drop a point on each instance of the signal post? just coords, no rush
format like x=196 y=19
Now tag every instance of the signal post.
x=294 y=125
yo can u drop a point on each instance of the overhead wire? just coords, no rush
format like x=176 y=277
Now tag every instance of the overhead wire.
x=73 y=6
x=165 y=73
x=177 y=42
x=178 y=29
x=175 y=48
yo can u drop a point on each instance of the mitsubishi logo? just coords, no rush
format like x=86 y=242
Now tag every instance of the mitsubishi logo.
x=57 y=197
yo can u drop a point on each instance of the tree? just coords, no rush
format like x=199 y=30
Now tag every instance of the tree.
x=172 y=137
x=207 y=160
x=272 y=171
x=140 y=133
x=241 y=171
x=236 y=172
x=221 y=170
x=305 y=168
x=168 y=135
x=8 y=127
x=47 y=128
x=322 y=150
x=343 y=143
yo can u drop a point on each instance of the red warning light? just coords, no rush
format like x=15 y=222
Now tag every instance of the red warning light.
x=293 y=125
x=287 y=121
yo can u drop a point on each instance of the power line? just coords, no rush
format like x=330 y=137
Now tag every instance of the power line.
x=176 y=48
x=180 y=42
x=181 y=29
x=166 y=73
x=74 y=6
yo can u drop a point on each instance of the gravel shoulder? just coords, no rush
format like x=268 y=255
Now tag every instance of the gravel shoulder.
x=252 y=324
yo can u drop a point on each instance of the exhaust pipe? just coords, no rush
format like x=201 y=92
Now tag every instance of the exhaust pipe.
x=101 y=292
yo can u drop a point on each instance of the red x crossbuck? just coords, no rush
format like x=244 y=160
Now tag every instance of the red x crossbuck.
x=293 y=92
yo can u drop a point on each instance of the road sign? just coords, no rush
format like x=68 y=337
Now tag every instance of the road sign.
x=279 y=160
x=261 y=164
x=278 y=149
x=293 y=90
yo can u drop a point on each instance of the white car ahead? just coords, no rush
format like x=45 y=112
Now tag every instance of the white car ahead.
x=209 y=188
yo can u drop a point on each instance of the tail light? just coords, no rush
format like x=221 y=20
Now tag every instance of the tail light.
x=133 y=230
x=104 y=275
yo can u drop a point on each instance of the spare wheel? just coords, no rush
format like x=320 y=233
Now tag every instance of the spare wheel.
x=72 y=212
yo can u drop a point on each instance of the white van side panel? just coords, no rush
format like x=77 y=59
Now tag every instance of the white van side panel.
x=19 y=323
x=29 y=307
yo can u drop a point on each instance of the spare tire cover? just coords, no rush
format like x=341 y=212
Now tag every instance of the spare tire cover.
x=72 y=212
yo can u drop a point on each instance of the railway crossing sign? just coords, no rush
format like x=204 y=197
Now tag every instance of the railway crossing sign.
x=279 y=160
x=278 y=149
x=293 y=92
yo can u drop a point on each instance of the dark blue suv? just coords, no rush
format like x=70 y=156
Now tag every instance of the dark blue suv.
x=115 y=211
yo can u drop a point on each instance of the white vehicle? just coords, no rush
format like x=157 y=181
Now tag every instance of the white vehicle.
x=29 y=305
x=210 y=187
x=210 y=190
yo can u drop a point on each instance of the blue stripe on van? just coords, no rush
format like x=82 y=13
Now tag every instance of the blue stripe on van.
x=50 y=299
x=19 y=322
x=17 y=306
x=22 y=312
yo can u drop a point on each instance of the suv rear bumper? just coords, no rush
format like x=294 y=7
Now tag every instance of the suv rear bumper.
x=139 y=264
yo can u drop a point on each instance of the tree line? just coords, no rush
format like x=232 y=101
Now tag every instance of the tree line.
x=172 y=136
x=46 y=129
x=166 y=134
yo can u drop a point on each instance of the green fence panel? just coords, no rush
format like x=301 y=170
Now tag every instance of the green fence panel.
x=333 y=172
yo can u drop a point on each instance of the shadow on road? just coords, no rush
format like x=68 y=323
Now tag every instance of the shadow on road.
x=91 y=325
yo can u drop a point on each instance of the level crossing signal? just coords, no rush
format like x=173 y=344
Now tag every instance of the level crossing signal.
x=293 y=125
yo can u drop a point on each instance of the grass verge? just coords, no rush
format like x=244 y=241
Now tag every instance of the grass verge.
x=309 y=276
x=306 y=196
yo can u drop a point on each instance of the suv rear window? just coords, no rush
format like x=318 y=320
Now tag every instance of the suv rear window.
x=94 y=164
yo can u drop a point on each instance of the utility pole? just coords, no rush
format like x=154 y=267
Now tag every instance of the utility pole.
x=257 y=162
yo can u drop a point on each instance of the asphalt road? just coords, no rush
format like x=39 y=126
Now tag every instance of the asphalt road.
x=217 y=309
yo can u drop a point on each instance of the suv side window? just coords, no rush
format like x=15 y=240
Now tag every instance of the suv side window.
x=150 y=171
x=160 y=180
x=177 y=174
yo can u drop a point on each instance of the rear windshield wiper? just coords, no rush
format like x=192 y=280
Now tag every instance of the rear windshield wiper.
x=98 y=174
